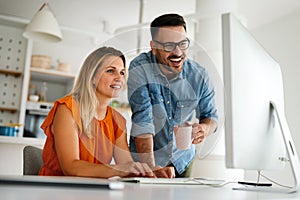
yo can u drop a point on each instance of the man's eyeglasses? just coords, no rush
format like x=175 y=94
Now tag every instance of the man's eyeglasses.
x=171 y=46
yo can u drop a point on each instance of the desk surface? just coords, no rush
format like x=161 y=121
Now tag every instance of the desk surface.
x=134 y=191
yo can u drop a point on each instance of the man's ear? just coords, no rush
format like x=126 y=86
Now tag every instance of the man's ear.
x=153 y=47
x=152 y=44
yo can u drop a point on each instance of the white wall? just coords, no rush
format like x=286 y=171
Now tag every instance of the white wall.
x=282 y=40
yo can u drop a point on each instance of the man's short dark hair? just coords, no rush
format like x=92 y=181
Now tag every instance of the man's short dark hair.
x=166 y=20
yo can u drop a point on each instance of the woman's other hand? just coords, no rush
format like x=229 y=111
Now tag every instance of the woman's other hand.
x=134 y=169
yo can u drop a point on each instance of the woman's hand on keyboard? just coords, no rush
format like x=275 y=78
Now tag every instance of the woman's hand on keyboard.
x=134 y=169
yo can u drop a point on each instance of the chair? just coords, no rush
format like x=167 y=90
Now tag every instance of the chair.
x=32 y=160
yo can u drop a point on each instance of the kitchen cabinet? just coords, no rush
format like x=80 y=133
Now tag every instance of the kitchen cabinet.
x=16 y=76
x=49 y=85
x=14 y=54
x=58 y=82
x=58 y=85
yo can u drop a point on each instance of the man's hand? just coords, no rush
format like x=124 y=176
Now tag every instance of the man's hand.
x=199 y=132
x=134 y=169
x=164 y=172
x=202 y=130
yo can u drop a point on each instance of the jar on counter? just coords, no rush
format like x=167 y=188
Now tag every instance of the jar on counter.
x=43 y=92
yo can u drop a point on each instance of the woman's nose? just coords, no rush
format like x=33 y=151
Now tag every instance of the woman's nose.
x=118 y=77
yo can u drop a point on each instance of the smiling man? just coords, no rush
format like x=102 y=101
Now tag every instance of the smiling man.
x=167 y=89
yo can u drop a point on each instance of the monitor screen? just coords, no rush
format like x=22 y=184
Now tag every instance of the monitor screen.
x=256 y=133
x=252 y=79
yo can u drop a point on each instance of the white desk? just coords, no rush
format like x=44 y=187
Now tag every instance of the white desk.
x=134 y=191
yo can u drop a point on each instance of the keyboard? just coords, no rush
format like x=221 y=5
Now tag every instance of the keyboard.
x=172 y=181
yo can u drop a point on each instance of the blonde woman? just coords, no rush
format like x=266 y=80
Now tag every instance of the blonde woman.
x=84 y=134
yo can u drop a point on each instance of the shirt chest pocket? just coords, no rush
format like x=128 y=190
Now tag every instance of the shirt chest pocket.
x=184 y=110
x=158 y=107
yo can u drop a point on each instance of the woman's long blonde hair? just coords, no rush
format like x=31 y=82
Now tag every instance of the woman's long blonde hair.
x=84 y=90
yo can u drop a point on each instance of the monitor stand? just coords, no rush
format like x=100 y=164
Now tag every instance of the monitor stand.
x=292 y=156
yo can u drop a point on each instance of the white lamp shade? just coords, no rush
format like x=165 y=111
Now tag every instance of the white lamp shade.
x=43 y=27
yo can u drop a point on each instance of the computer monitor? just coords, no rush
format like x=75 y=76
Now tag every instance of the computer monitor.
x=257 y=136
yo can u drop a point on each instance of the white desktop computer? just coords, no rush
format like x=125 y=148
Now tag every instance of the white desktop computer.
x=257 y=136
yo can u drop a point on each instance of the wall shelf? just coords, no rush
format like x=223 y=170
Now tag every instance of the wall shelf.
x=16 y=73
x=21 y=140
x=51 y=75
x=12 y=110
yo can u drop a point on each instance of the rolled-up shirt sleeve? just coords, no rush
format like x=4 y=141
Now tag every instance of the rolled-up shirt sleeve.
x=206 y=106
x=140 y=102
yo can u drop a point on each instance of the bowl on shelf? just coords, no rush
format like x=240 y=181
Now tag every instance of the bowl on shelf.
x=34 y=98
x=41 y=61
x=64 y=67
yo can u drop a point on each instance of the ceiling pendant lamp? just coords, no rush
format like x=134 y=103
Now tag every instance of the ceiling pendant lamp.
x=43 y=26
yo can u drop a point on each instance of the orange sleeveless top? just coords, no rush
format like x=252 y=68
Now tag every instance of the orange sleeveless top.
x=97 y=149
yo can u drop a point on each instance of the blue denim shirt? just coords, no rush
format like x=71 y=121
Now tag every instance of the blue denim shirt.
x=158 y=104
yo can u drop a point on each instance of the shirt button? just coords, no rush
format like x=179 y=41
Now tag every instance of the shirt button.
x=170 y=155
x=170 y=145
x=167 y=85
x=171 y=132
x=168 y=102
x=170 y=117
x=162 y=100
